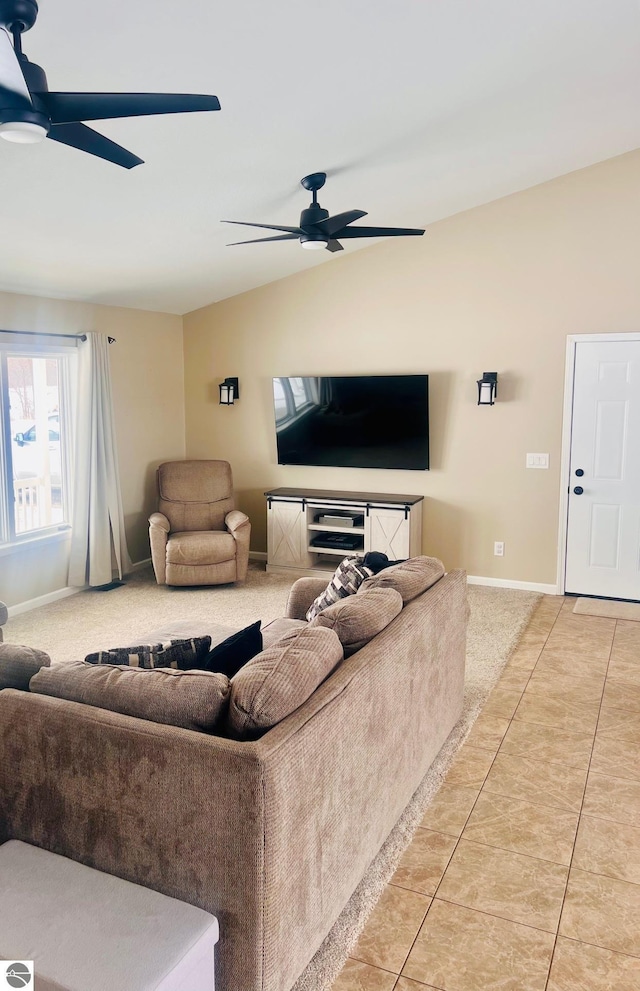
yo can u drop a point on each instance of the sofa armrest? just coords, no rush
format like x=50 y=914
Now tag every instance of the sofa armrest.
x=239 y=526
x=158 y=533
x=159 y=520
x=234 y=520
x=302 y=593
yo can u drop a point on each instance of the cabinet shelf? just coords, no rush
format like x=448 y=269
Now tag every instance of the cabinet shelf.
x=335 y=529
x=392 y=524
x=336 y=551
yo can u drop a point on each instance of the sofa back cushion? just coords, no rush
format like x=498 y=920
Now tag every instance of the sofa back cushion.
x=410 y=578
x=277 y=681
x=18 y=665
x=193 y=699
x=359 y=618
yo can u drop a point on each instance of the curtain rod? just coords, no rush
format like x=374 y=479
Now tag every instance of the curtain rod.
x=36 y=333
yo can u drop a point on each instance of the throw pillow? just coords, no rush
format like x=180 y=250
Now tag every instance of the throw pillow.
x=234 y=652
x=182 y=654
x=360 y=618
x=346 y=579
x=410 y=578
x=193 y=699
x=18 y=665
x=277 y=681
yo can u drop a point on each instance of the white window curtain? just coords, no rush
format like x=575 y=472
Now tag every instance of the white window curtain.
x=98 y=540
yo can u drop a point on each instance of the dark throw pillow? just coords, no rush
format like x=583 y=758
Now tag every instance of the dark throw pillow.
x=181 y=654
x=234 y=652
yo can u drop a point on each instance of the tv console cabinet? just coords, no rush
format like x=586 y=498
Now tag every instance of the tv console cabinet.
x=300 y=540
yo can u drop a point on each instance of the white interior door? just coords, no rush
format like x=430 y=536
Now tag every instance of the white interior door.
x=603 y=524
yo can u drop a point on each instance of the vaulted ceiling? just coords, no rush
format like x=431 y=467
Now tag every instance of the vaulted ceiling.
x=416 y=109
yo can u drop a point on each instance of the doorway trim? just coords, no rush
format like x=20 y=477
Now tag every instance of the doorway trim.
x=572 y=340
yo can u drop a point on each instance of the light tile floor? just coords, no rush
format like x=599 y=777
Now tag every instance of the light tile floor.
x=525 y=872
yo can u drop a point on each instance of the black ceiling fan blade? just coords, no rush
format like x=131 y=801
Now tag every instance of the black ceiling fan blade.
x=14 y=93
x=334 y=245
x=378 y=232
x=69 y=108
x=86 y=139
x=268 y=227
x=258 y=240
x=333 y=224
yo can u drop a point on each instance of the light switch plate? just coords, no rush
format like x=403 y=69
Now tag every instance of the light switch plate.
x=537 y=460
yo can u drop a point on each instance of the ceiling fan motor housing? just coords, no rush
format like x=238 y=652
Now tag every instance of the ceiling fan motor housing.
x=308 y=220
x=37 y=83
x=18 y=15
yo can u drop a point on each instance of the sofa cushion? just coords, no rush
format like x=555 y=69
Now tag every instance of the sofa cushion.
x=230 y=655
x=182 y=654
x=410 y=578
x=277 y=681
x=359 y=618
x=345 y=580
x=191 y=699
x=18 y=665
x=200 y=547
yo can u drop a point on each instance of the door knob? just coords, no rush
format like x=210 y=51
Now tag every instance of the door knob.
x=579 y=472
x=578 y=490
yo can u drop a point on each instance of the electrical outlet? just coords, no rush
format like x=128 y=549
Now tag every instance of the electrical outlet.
x=498 y=548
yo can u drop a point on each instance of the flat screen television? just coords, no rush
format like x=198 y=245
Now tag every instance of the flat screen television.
x=353 y=421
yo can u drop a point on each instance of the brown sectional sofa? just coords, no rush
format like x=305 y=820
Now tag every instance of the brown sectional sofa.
x=271 y=836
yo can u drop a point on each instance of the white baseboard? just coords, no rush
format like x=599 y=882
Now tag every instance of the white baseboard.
x=512 y=583
x=257 y=555
x=42 y=600
x=139 y=565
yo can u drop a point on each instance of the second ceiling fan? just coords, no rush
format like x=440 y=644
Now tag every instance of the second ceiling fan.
x=318 y=230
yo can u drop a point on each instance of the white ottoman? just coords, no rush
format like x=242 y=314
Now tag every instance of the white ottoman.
x=89 y=931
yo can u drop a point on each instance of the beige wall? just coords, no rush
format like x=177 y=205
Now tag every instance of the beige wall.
x=495 y=288
x=148 y=389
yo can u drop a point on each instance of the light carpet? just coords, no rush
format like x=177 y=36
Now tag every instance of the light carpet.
x=91 y=620
x=610 y=608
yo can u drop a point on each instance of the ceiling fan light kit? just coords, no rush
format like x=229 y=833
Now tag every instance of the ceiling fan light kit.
x=29 y=112
x=23 y=132
x=318 y=230
x=313 y=241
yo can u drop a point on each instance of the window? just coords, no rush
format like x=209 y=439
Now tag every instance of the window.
x=34 y=394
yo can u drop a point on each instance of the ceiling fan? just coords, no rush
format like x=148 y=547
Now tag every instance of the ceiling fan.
x=318 y=230
x=30 y=113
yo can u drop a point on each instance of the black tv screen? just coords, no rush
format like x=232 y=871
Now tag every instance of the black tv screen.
x=353 y=421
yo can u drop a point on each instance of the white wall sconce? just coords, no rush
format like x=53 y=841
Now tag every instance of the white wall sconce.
x=487 y=389
x=229 y=391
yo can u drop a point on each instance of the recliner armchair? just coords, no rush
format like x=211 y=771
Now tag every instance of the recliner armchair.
x=198 y=537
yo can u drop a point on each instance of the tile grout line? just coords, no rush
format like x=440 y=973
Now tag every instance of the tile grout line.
x=575 y=839
x=433 y=897
x=459 y=837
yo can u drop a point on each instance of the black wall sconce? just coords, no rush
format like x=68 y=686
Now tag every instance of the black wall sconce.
x=229 y=391
x=487 y=389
